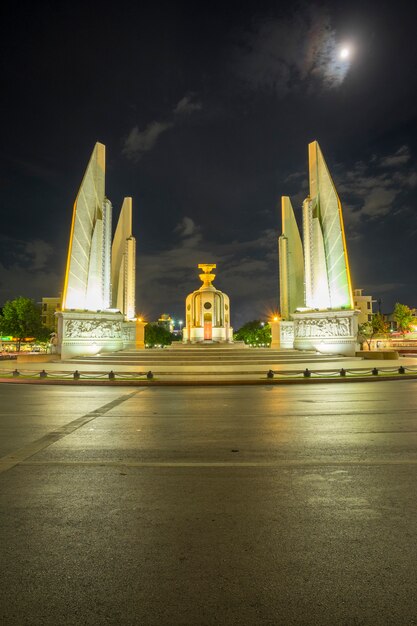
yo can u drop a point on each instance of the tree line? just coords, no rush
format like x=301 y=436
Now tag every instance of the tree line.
x=21 y=318
x=377 y=326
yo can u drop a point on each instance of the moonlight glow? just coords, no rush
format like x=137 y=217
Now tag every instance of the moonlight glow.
x=344 y=53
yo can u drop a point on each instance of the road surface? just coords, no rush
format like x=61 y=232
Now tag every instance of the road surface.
x=204 y=505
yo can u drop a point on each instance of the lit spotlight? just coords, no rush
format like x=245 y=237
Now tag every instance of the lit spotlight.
x=344 y=53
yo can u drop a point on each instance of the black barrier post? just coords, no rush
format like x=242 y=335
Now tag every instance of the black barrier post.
x=307 y=373
x=112 y=375
x=43 y=374
x=149 y=375
x=77 y=375
x=374 y=372
x=16 y=373
x=401 y=370
x=270 y=374
x=342 y=372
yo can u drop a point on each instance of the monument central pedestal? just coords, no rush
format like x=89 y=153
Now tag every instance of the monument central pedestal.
x=207 y=312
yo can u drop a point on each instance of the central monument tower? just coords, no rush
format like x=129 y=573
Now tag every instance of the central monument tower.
x=207 y=312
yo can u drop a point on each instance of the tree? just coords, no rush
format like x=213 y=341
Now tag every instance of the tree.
x=21 y=318
x=404 y=316
x=254 y=332
x=156 y=335
x=376 y=326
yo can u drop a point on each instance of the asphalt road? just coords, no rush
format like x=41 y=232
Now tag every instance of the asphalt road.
x=204 y=505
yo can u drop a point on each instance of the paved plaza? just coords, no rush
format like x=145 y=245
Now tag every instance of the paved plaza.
x=209 y=505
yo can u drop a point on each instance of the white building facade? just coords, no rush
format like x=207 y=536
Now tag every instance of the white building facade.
x=363 y=304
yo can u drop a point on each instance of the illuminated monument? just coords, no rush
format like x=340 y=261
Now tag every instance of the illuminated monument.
x=123 y=263
x=291 y=262
x=315 y=288
x=207 y=312
x=99 y=287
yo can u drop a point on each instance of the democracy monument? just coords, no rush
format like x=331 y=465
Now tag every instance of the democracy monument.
x=98 y=303
x=316 y=301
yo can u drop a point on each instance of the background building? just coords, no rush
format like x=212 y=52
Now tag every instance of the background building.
x=364 y=304
x=49 y=306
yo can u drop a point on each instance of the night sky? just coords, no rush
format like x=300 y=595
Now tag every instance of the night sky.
x=206 y=111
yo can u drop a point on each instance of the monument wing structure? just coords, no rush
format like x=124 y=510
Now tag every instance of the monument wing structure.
x=87 y=277
x=327 y=275
x=291 y=262
x=124 y=263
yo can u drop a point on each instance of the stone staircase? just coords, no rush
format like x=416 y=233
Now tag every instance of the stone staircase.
x=213 y=361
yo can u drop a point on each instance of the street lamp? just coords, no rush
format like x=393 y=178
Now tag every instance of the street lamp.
x=180 y=323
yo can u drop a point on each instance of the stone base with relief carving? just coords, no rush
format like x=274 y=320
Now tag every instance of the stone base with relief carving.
x=328 y=332
x=84 y=333
x=287 y=335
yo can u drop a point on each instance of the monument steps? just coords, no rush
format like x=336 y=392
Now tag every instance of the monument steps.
x=209 y=363
x=163 y=357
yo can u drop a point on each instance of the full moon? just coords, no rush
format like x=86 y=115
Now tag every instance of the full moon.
x=344 y=53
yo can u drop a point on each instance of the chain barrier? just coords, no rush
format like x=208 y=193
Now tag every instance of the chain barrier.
x=357 y=372
x=284 y=374
x=62 y=375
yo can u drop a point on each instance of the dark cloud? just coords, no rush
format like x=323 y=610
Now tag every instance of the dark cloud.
x=373 y=191
x=299 y=52
x=186 y=106
x=400 y=157
x=27 y=268
x=138 y=142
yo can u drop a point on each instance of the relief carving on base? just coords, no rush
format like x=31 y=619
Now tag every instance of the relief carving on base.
x=287 y=332
x=129 y=333
x=327 y=327
x=92 y=329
